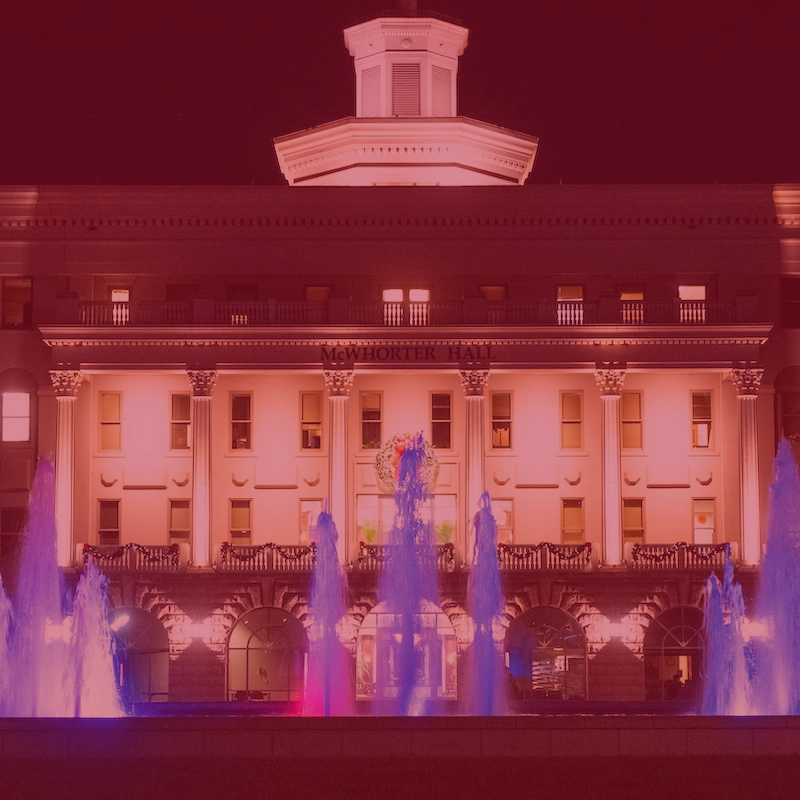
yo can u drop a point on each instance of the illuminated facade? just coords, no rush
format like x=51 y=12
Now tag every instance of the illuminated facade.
x=208 y=366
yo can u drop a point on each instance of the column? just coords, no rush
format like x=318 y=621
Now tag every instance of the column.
x=473 y=382
x=338 y=383
x=203 y=382
x=610 y=379
x=747 y=382
x=66 y=383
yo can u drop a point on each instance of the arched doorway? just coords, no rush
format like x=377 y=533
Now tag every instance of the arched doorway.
x=266 y=657
x=375 y=655
x=546 y=652
x=142 y=656
x=673 y=654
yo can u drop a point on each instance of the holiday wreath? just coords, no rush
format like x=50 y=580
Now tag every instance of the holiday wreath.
x=387 y=462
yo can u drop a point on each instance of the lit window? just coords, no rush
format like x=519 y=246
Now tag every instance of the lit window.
x=419 y=306
x=370 y=421
x=441 y=420
x=120 y=306
x=110 y=421
x=16 y=425
x=393 y=306
x=309 y=514
x=569 y=305
x=419 y=295
x=501 y=419
x=703 y=513
x=180 y=427
x=241 y=422
x=692 y=301
x=311 y=423
x=108 y=522
x=572 y=530
x=632 y=306
x=633 y=521
x=180 y=521
x=571 y=420
x=120 y=295
x=701 y=419
x=393 y=295
x=17 y=303
x=241 y=526
x=631 y=420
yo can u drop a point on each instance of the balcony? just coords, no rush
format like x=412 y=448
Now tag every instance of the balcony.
x=471 y=311
x=545 y=556
x=268 y=557
x=679 y=556
x=134 y=557
x=373 y=557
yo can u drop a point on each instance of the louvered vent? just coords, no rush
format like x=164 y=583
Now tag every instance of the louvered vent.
x=405 y=90
x=442 y=91
x=371 y=92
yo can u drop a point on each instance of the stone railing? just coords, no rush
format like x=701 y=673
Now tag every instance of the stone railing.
x=268 y=557
x=134 y=557
x=678 y=556
x=545 y=556
x=470 y=311
x=373 y=557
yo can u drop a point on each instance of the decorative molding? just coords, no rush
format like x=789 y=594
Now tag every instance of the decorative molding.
x=66 y=382
x=203 y=381
x=143 y=486
x=275 y=486
x=668 y=486
x=338 y=382
x=610 y=378
x=474 y=381
x=536 y=486
x=747 y=380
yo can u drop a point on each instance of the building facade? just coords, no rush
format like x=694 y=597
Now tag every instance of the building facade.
x=210 y=367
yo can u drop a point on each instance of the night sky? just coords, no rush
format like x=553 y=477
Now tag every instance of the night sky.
x=618 y=91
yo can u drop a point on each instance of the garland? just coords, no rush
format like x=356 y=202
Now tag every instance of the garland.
x=290 y=553
x=387 y=462
x=711 y=552
x=378 y=552
x=560 y=551
x=151 y=555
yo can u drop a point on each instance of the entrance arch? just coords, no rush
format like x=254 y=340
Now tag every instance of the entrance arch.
x=673 y=654
x=266 y=656
x=546 y=650
x=142 y=656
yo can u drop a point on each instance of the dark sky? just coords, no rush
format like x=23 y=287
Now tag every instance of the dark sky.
x=618 y=91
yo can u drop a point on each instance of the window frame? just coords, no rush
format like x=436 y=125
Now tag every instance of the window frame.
x=26 y=305
x=108 y=423
x=309 y=422
x=362 y=421
x=695 y=512
x=237 y=539
x=497 y=420
x=637 y=422
x=698 y=420
x=563 y=528
x=232 y=447
x=578 y=423
x=449 y=421
x=174 y=421
x=118 y=530
x=3 y=417
x=171 y=529
x=639 y=537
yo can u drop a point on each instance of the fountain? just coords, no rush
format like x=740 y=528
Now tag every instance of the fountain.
x=329 y=690
x=752 y=667
x=487 y=685
x=57 y=663
x=408 y=584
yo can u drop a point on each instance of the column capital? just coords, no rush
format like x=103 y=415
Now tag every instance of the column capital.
x=474 y=381
x=203 y=381
x=747 y=380
x=338 y=382
x=610 y=378
x=66 y=382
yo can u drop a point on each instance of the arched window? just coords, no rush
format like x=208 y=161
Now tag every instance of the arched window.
x=434 y=640
x=266 y=656
x=546 y=650
x=142 y=656
x=673 y=654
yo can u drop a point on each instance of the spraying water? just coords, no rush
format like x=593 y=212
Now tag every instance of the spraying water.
x=487 y=694
x=5 y=633
x=408 y=581
x=58 y=664
x=329 y=690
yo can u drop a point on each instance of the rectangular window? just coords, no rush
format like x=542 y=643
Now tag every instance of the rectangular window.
x=503 y=511
x=17 y=303
x=701 y=419
x=110 y=407
x=419 y=306
x=180 y=521
x=241 y=421
x=633 y=521
x=180 y=426
x=16 y=422
x=501 y=420
x=241 y=521
x=571 y=420
x=569 y=305
x=703 y=521
x=311 y=420
x=572 y=526
x=108 y=522
x=692 y=302
x=393 y=306
x=441 y=420
x=370 y=420
x=309 y=513
x=632 y=306
x=631 y=420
